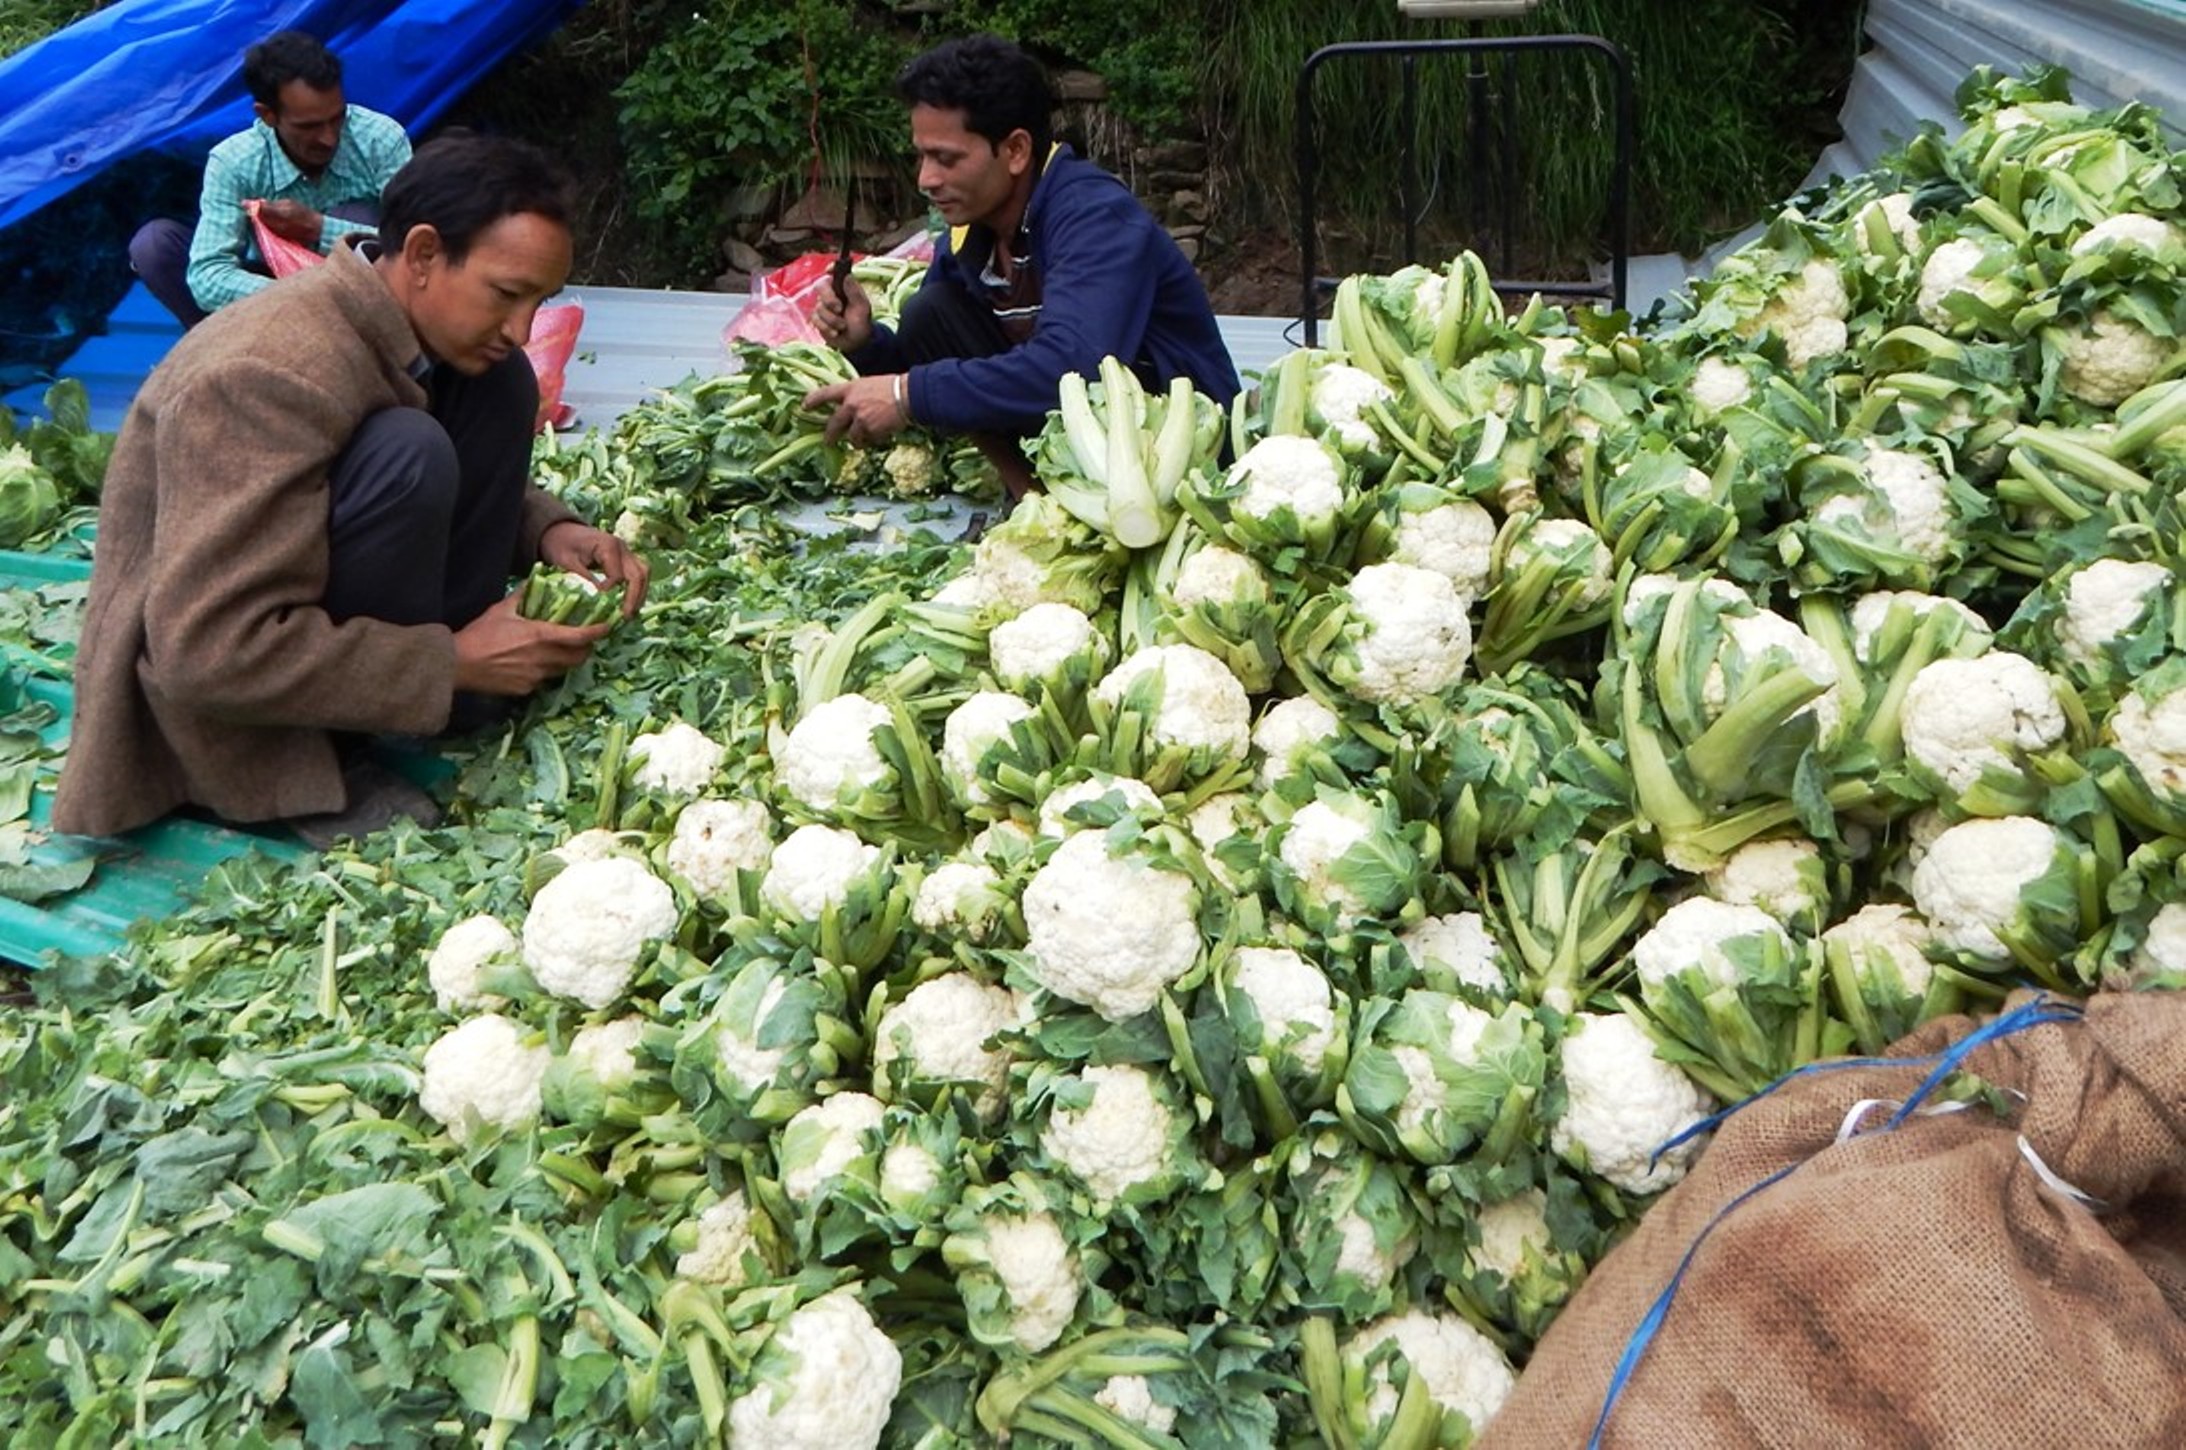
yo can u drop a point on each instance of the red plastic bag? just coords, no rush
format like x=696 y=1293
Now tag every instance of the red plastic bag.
x=553 y=343
x=282 y=255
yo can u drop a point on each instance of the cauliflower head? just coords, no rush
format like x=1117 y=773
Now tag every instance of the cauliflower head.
x=939 y=1033
x=831 y=753
x=826 y=1380
x=463 y=952
x=679 y=760
x=1413 y=637
x=815 y=869
x=1624 y=1102
x=483 y=1075
x=715 y=839
x=1106 y=931
x=589 y=925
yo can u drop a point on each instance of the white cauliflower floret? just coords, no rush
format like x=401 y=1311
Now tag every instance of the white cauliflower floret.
x=483 y=1075
x=2110 y=359
x=1461 y=943
x=843 y=1127
x=968 y=590
x=1896 y=211
x=1007 y=840
x=679 y=760
x=958 y=897
x=1360 y=1256
x=462 y=953
x=1218 y=576
x=1754 y=635
x=1949 y=269
x=1646 y=588
x=1417 y=638
x=1918 y=497
x=2104 y=601
x=1510 y=1229
x=715 y=839
x=726 y=1246
x=1783 y=877
x=744 y=1062
x=1564 y=355
x=1871 y=611
x=2129 y=229
x=972 y=729
x=1291 y=998
x=1040 y=642
x=1341 y=395
x=942 y=1026
x=1624 y=1103
x=1718 y=385
x=1129 y=1397
x=1463 y=1369
x=1284 y=471
x=840 y=1386
x=596 y=844
x=1969 y=882
x=1138 y=799
x=1218 y=818
x=831 y=752
x=609 y=1050
x=588 y=926
x=912 y=469
x=1557 y=537
x=813 y=870
x=1203 y=707
x=1107 y=932
x=1808 y=314
x=1892 y=933
x=1117 y=1141
x=908 y=1173
x=1289 y=729
x=2162 y=953
x=1693 y=933
x=2152 y=738
x=1038 y=1273
x=1455 y=540
x=1964 y=716
x=1319 y=835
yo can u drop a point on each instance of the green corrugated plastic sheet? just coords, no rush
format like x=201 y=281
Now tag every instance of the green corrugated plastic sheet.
x=141 y=874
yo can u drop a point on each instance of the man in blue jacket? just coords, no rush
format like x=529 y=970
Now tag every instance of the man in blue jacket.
x=1050 y=265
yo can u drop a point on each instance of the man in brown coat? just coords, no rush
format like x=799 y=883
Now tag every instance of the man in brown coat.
x=313 y=512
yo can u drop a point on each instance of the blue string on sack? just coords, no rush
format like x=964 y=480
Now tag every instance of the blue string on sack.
x=2037 y=1012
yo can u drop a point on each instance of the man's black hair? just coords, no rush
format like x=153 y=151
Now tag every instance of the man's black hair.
x=998 y=87
x=461 y=183
x=288 y=55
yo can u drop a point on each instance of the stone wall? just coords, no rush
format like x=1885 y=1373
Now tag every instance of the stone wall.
x=766 y=226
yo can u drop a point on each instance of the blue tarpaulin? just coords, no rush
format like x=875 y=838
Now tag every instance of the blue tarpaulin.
x=168 y=75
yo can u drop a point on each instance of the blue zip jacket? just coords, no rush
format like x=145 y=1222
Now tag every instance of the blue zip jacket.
x=1112 y=283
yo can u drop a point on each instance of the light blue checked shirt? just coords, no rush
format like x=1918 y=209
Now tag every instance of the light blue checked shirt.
x=252 y=164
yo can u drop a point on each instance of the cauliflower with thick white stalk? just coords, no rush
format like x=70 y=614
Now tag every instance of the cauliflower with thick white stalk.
x=1807 y=313
x=1464 y=1371
x=1291 y=997
x=1129 y=1397
x=1341 y=396
x=826 y=1380
x=1137 y=796
x=1701 y=932
x=1623 y=1102
x=1106 y=931
x=2104 y=602
x=1042 y=643
x=588 y=926
x=974 y=728
x=1455 y=540
x=678 y=760
x=940 y=1031
x=2110 y=358
x=1784 y=876
x=1413 y=637
x=483 y=1075
x=1719 y=385
x=462 y=954
x=1202 y=707
x=821 y=1143
x=813 y=870
x=715 y=839
x=831 y=752
x=2129 y=229
x=1971 y=882
x=1288 y=731
x=1285 y=472
x=1964 y=717
x=725 y=1248
x=959 y=898
x=1460 y=944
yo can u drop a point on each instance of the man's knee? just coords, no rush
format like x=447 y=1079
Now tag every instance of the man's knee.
x=157 y=244
x=946 y=322
x=399 y=461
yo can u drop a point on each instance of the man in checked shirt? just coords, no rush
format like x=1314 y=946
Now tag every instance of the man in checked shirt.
x=316 y=163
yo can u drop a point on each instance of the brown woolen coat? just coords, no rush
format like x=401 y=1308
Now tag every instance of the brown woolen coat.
x=208 y=673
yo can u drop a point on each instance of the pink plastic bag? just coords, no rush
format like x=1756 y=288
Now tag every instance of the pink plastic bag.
x=282 y=255
x=553 y=343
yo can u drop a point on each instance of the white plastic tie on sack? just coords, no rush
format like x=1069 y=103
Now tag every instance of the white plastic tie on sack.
x=1856 y=1120
x=2052 y=1182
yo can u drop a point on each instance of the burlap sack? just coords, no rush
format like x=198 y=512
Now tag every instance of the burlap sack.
x=1919 y=1287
